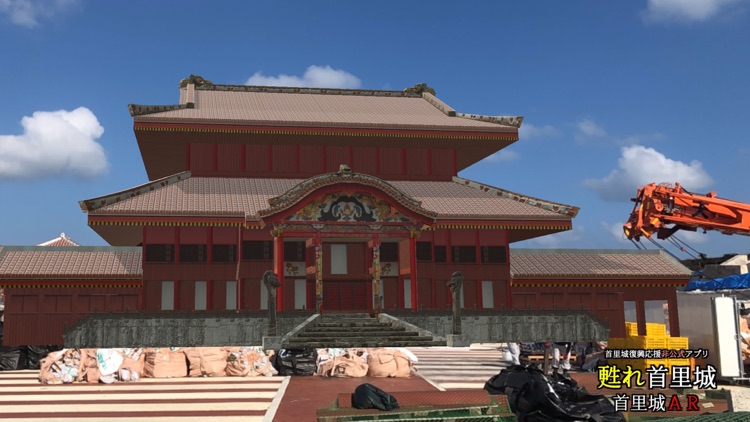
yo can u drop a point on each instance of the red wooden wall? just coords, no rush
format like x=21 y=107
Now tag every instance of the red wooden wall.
x=605 y=301
x=303 y=161
x=38 y=316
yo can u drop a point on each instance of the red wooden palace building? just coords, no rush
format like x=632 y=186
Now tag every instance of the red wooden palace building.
x=350 y=196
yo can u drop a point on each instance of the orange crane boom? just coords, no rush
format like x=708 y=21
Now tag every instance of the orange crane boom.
x=664 y=209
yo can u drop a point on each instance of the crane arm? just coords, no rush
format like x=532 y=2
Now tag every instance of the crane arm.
x=665 y=209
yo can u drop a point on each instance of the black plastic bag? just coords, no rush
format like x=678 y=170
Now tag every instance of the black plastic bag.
x=34 y=355
x=367 y=396
x=12 y=358
x=535 y=398
x=296 y=361
x=505 y=382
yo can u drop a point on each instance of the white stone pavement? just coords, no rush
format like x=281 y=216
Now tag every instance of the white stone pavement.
x=224 y=399
x=451 y=368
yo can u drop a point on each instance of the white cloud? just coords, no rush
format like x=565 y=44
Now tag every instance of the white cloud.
x=588 y=131
x=529 y=131
x=503 y=155
x=562 y=239
x=54 y=143
x=27 y=12
x=314 y=77
x=686 y=10
x=639 y=166
x=589 y=128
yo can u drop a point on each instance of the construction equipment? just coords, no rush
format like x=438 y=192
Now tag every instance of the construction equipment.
x=663 y=209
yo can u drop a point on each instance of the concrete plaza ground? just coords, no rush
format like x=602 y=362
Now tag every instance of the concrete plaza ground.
x=283 y=399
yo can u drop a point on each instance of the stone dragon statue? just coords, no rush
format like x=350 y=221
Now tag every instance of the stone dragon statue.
x=271 y=281
x=196 y=80
x=457 y=281
x=420 y=88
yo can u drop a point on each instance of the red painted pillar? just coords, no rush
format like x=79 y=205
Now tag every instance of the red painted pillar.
x=448 y=260
x=413 y=268
x=640 y=316
x=375 y=269
x=278 y=265
x=177 y=266
x=142 y=291
x=209 y=261
x=238 y=273
x=480 y=282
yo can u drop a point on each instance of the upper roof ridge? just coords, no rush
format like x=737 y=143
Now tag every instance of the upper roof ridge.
x=309 y=90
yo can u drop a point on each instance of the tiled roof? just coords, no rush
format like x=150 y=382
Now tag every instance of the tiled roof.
x=586 y=263
x=79 y=262
x=62 y=240
x=312 y=107
x=201 y=196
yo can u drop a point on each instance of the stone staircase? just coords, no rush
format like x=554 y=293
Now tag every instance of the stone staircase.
x=357 y=330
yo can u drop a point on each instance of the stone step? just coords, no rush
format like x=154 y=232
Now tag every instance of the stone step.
x=352 y=324
x=354 y=329
x=350 y=333
x=347 y=316
x=352 y=343
x=350 y=339
x=350 y=321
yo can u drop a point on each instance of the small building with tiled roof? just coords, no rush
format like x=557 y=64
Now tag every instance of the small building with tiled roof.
x=47 y=288
x=606 y=281
x=61 y=240
x=352 y=197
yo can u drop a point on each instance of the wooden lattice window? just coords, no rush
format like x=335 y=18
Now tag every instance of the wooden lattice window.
x=494 y=255
x=424 y=251
x=192 y=253
x=257 y=250
x=441 y=254
x=224 y=253
x=294 y=251
x=389 y=252
x=159 y=253
x=464 y=254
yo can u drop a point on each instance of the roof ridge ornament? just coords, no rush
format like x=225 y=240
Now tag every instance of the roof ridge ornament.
x=420 y=88
x=344 y=170
x=195 y=80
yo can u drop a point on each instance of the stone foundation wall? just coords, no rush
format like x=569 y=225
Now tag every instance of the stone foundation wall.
x=160 y=330
x=515 y=326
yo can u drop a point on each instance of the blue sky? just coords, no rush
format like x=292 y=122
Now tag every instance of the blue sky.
x=614 y=94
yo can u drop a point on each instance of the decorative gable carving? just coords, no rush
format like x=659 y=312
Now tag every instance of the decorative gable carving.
x=342 y=207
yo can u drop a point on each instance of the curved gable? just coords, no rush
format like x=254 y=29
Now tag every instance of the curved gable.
x=346 y=197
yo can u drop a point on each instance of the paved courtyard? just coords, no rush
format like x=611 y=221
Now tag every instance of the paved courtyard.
x=283 y=399
x=23 y=398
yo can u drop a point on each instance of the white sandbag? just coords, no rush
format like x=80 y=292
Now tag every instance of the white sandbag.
x=412 y=357
x=109 y=361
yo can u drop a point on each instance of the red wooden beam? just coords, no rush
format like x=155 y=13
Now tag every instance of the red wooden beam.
x=325 y=131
